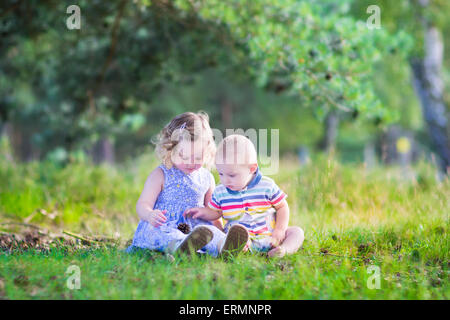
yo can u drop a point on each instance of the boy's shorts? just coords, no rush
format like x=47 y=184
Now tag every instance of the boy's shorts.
x=260 y=244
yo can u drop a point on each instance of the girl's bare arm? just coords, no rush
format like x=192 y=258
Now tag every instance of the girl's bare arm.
x=152 y=188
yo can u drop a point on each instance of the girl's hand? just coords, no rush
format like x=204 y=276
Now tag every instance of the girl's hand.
x=156 y=217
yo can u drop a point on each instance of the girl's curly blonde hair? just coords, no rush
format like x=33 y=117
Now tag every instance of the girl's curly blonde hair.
x=191 y=126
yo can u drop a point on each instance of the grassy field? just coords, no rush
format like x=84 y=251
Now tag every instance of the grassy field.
x=358 y=224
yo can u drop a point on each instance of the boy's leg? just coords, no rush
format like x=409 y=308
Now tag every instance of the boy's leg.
x=291 y=243
x=236 y=240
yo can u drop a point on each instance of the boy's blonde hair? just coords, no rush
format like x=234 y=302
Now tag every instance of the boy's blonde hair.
x=236 y=149
x=187 y=126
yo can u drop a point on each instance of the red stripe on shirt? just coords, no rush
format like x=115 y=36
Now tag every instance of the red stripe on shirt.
x=214 y=205
x=280 y=197
x=247 y=204
x=265 y=229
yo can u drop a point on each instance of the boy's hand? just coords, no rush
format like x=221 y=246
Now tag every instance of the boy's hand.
x=277 y=237
x=202 y=213
x=157 y=217
x=194 y=213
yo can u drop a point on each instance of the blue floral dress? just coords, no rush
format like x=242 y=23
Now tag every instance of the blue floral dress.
x=180 y=192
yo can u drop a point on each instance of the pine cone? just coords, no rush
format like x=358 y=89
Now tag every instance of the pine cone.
x=184 y=227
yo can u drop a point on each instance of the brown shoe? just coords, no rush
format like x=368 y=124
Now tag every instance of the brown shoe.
x=235 y=241
x=197 y=239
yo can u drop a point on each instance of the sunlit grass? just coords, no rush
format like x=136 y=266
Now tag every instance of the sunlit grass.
x=353 y=218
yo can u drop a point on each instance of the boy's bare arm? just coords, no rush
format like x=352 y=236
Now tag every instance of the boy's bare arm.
x=203 y=213
x=217 y=223
x=281 y=224
x=282 y=216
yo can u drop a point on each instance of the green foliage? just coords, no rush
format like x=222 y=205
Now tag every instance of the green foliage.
x=409 y=16
x=312 y=47
x=72 y=88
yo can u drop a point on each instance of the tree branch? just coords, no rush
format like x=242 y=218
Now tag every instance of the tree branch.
x=112 y=50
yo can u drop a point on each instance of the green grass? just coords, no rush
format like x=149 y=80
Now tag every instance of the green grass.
x=353 y=219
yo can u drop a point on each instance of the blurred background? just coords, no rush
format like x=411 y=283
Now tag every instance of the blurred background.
x=358 y=89
x=368 y=84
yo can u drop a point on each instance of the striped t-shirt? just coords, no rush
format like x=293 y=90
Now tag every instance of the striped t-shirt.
x=251 y=207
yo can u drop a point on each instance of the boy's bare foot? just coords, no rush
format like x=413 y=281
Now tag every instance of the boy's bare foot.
x=197 y=239
x=236 y=240
x=279 y=252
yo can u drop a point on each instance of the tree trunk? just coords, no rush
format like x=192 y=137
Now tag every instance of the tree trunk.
x=428 y=84
x=19 y=139
x=6 y=133
x=331 y=132
x=226 y=110
x=103 y=151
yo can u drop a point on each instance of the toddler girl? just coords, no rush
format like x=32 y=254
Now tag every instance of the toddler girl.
x=179 y=183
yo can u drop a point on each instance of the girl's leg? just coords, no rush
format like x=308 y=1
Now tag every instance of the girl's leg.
x=196 y=240
x=292 y=242
x=163 y=238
